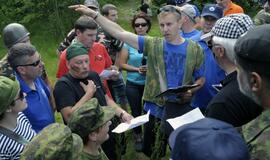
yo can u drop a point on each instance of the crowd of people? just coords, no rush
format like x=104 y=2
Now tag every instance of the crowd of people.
x=220 y=49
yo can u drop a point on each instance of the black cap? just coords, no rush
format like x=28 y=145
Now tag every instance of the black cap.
x=253 y=48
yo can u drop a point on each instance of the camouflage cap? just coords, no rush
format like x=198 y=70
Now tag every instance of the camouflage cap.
x=9 y=89
x=76 y=49
x=262 y=17
x=90 y=117
x=56 y=141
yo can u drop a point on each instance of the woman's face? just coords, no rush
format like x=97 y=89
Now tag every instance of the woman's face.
x=19 y=102
x=140 y=26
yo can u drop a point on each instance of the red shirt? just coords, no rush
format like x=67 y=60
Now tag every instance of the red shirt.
x=99 y=60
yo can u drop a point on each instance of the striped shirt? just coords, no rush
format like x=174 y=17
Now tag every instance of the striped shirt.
x=10 y=149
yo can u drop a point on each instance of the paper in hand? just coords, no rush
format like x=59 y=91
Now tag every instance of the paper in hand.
x=189 y=117
x=106 y=74
x=133 y=123
x=177 y=90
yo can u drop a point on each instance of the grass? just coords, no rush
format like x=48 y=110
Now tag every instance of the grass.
x=46 y=44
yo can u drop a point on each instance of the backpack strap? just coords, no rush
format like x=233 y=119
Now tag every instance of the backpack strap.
x=66 y=80
x=14 y=136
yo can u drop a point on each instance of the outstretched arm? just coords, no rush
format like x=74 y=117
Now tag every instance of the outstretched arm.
x=112 y=28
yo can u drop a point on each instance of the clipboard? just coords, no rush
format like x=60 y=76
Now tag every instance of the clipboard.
x=176 y=90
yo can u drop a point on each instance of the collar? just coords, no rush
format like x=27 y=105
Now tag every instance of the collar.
x=230 y=7
x=24 y=87
x=230 y=77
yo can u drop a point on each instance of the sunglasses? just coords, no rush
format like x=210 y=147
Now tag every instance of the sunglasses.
x=140 y=24
x=21 y=97
x=34 y=64
x=169 y=8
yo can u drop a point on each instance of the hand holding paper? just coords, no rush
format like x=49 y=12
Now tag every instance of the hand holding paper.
x=107 y=74
x=133 y=123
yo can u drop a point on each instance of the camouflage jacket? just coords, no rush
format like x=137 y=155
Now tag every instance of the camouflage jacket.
x=156 y=81
x=5 y=68
x=262 y=17
x=67 y=41
x=257 y=136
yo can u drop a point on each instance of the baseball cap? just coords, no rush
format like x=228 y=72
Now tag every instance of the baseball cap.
x=55 y=141
x=91 y=3
x=177 y=2
x=232 y=26
x=207 y=139
x=212 y=10
x=253 y=48
x=89 y=117
x=189 y=11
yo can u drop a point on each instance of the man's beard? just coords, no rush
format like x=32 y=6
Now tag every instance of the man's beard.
x=246 y=90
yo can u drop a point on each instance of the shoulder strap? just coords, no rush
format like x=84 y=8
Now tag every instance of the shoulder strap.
x=70 y=84
x=14 y=136
x=257 y=135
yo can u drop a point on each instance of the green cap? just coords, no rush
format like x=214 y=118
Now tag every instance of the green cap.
x=89 y=117
x=76 y=49
x=56 y=141
x=262 y=17
x=8 y=91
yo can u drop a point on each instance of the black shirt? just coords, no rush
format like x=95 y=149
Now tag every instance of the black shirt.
x=68 y=91
x=232 y=106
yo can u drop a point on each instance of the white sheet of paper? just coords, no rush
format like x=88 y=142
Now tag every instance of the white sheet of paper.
x=108 y=73
x=189 y=117
x=140 y=120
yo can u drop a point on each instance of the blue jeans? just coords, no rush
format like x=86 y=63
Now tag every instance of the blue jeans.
x=134 y=94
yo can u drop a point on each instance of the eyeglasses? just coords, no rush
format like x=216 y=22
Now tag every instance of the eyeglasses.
x=21 y=97
x=140 y=24
x=169 y=8
x=34 y=64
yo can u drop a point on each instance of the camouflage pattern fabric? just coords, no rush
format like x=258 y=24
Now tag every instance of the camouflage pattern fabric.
x=156 y=81
x=67 y=41
x=89 y=117
x=257 y=136
x=5 y=69
x=262 y=17
x=112 y=45
x=56 y=141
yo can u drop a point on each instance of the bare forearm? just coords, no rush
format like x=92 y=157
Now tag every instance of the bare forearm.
x=129 y=68
x=110 y=102
x=199 y=81
x=112 y=28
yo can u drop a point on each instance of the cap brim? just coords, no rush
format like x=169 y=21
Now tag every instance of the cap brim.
x=109 y=113
x=77 y=146
x=210 y=14
x=207 y=35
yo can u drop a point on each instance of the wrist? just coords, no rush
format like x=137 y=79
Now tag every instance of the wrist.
x=96 y=15
x=122 y=114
